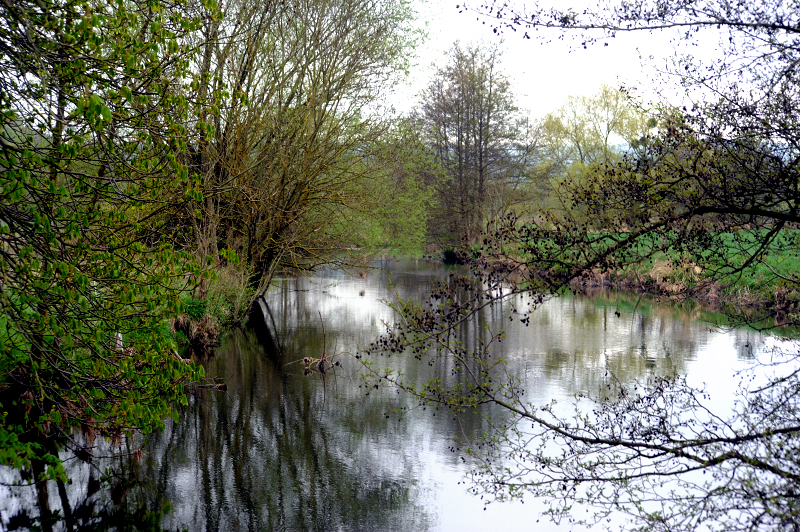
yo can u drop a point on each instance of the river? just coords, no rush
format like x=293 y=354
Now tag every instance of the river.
x=281 y=450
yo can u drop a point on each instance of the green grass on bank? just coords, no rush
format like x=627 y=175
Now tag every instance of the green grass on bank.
x=739 y=266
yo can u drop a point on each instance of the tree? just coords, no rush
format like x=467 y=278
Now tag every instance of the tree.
x=477 y=134
x=91 y=112
x=587 y=134
x=398 y=204
x=592 y=129
x=715 y=186
x=295 y=125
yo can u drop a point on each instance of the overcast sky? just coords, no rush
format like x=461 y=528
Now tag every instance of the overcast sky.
x=543 y=74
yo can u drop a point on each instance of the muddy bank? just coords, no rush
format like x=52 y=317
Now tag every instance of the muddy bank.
x=663 y=281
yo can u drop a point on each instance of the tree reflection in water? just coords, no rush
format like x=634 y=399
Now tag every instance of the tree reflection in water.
x=273 y=453
x=105 y=495
x=280 y=451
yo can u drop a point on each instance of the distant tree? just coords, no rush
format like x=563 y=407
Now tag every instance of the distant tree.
x=478 y=135
x=587 y=134
x=594 y=129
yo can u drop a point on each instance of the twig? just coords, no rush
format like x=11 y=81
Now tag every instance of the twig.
x=321 y=363
x=790 y=279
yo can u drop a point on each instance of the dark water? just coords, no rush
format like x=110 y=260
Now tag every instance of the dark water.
x=282 y=451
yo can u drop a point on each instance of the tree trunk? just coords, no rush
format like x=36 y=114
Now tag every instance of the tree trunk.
x=42 y=496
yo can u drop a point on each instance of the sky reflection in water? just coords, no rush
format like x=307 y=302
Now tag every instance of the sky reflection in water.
x=281 y=451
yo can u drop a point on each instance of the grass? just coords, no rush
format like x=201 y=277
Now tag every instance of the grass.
x=719 y=274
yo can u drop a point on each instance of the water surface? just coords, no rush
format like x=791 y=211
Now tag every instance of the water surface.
x=284 y=451
x=280 y=450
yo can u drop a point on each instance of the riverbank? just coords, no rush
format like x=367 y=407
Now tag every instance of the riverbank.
x=773 y=300
x=763 y=294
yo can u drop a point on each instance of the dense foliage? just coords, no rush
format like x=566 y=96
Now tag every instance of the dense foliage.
x=399 y=204
x=295 y=127
x=92 y=111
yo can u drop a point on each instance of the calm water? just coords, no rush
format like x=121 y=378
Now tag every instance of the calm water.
x=283 y=451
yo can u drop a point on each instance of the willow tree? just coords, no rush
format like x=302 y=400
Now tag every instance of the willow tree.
x=294 y=89
x=91 y=112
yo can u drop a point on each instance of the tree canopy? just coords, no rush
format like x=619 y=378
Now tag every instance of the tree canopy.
x=296 y=126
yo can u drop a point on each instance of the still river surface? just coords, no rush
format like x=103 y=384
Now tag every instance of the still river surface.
x=283 y=451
